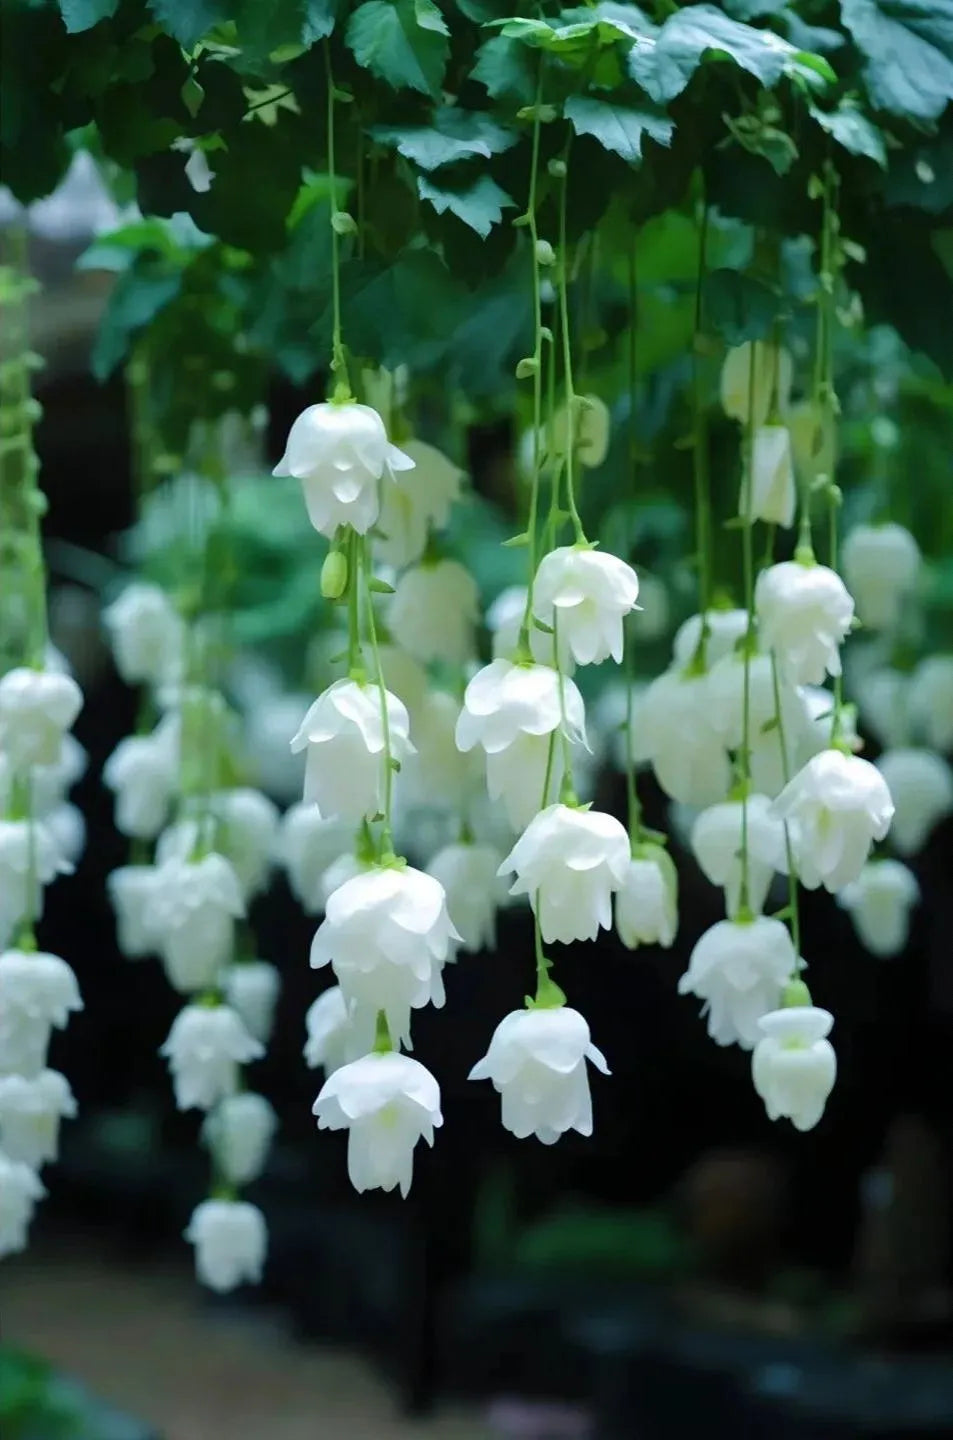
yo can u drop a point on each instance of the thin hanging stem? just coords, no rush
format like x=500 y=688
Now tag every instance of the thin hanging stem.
x=338 y=356
x=700 y=471
x=387 y=842
x=747 y=541
x=793 y=894
x=523 y=645
x=563 y=287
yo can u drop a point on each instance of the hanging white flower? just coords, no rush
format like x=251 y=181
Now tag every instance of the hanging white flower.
x=50 y=784
x=607 y=718
x=246 y=834
x=931 y=701
x=773 y=491
x=434 y=611
x=804 y=614
x=590 y=432
x=585 y=595
x=440 y=775
x=67 y=825
x=37 y=992
x=415 y=504
x=404 y=677
x=725 y=696
x=676 y=734
x=882 y=696
x=231 y=1242
x=306 y=845
x=879 y=902
x=819 y=707
x=26 y=851
x=30 y=1112
x=504 y=620
x=716 y=844
x=252 y=987
x=20 y=1189
x=570 y=862
x=340 y=454
x=239 y=1132
x=537 y=1063
x=468 y=874
x=835 y=806
x=267 y=725
x=794 y=1066
x=343 y=734
x=37 y=707
x=753 y=385
x=337 y=1033
x=646 y=905
x=205 y=1047
x=921 y=787
x=725 y=629
x=147 y=635
x=881 y=565
x=192 y=911
x=739 y=969
x=143 y=773
x=386 y=1103
x=344 y=868
x=130 y=890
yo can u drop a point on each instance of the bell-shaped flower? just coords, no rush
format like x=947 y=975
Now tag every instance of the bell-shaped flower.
x=752 y=385
x=336 y=1031
x=725 y=629
x=130 y=890
x=879 y=902
x=646 y=905
x=819 y=711
x=771 y=492
x=716 y=841
x=569 y=862
x=205 y=1047
x=804 y=614
x=726 y=693
x=415 y=504
x=231 y=1242
x=921 y=787
x=67 y=825
x=585 y=594
x=793 y=1065
x=239 y=1132
x=20 y=1189
x=882 y=697
x=252 y=987
x=514 y=712
x=344 y=868
x=739 y=969
x=50 y=784
x=434 y=611
x=343 y=734
x=537 y=1063
x=192 y=912
x=881 y=565
x=28 y=853
x=147 y=635
x=404 y=677
x=440 y=775
x=307 y=844
x=37 y=707
x=468 y=874
x=931 y=701
x=386 y=1102
x=676 y=734
x=340 y=454
x=504 y=620
x=37 y=992
x=246 y=835
x=30 y=1113
x=836 y=806
x=143 y=773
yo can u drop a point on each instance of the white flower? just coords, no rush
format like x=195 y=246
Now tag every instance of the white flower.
x=739 y=968
x=440 y=775
x=386 y=1103
x=537 y=1063
x=882 y=696
x=387 y=934
x=504 y=620
x=251 y=987
x=344 y=868
x=192 y=912
x=205 y=1047
x=268 y=723
x=585 y=594
x=770 y=369
x=835 y=806
x=404 y=677
x=931 y=700
x=773 y=492
x=25 y=849
x=468 y=874
x=921 y=787
x=247 y=829
x=231 y=1242
x=794 y=1066
x=343 y=733
x=646 y=906
x=434 y=610
x=608 y=719
x=50 y=783
x=147 y=634
x=307 y=845
x=143 y=772
x=336 y=1033
x=676 y=734
x=239 y=1132
x=37 y=992
x=591 y=428
x=30 y=1114
x=879 y=902
x=130 y=890
x=725 y=696
x=881 y=564
x=37 y=707
x=512 y=711
x=340 y=453
x=818 y=732
x=804 y=614
x=20 y=1188
x=415 y=504
x=716 y=845
x=569 y=862
x=67 y=825
x=725 y=629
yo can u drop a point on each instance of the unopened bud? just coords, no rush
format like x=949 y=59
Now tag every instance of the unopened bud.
x=334 y=575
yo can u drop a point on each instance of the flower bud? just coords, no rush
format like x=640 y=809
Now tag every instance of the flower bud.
x=334 y=575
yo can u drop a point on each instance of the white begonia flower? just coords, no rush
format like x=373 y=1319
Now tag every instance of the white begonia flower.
x=468 y=874
x=881 y=565
x=307 y=844
x=676 y=735
x=20 y=1189
x=793 y=1065
x=27 y=850
x=434 y=611
x=414 y=505
x=143 y=773
x=252 y=987
x=585 y=595
x=725 y=629
x=386 y=1103
x=646 y=905
x=883 y=698
x=739 y=969
x=147 y=635
x=804 y=614
x=246 y=834
x=387 y=934
x=231 y=1242
x=340 y=454
x=192 y=910
x=773 y=490
x=37 y=707
x=30 y=1114
x=504 y=620
x=921 y=787
x=716 y=845
x=931 y=701
x=512 y=711
x=337 y=1033
x=835 y=807
x=37 y=992
x=343 y=734
x=569 y=862
x=440 y=775
x=771 y=368
x=205 y=1047
x=50 y=784
x=537 y=1062
x=239 y=1132
x=879 y=902
x=130 y=890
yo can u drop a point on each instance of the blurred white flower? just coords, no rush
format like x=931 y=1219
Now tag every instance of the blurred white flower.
x=37 y=707
x=434 y=611
x=675 y=732
x=30 y=1113
x=205 y=1047
x=468 y=874
x=725 y=629
x=143 y=773
x=717 y=841
x=440 y=775
x=231 y=1241
x=773 y=492
x=37 y=992
x=20 y=1189
x=921 y=787
x=752 y=385
x=130 y=890
x=307 y=844
x=251 y=988
x=415 y=504
x=881 y=565
x=337 y=1033
x=28 y=852
x=879 y=902
x=147 y=635
x=192 y=911
x=239 y=1132
x=931 y=701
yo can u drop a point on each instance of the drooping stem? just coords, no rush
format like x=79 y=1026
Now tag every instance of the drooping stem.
x=747 y=543
x=338 y=355
x=793 y=894
x=523 y=646
x=563 y=288
x=387 y=757
x=700 y=471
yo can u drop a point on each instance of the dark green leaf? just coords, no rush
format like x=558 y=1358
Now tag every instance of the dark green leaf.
x=267 y=157
x=923 y=175
x=188 y=20
x=480 y=206
x=908 y=45
x=400 y=44
x=853 y=130
x=320 y=18
x=401 y=314
x=738 y=306
x=135 y=301
x=505 y=69
x=454 y=135
x=79 y=15
x=617 y=127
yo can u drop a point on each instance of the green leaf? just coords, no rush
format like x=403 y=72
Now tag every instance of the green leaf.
x=504 y=68
x=400 y=314
x=738 y=306
x=80 y=15
x=480 y=206
x=573 y=43
x=188 y=20
x=136 y=299
x=454 y=135
x=922 y=176
x=400 y=43
x=617 y=127
x=908 y=46
x=853 y=130
x=268 y=155
x=320 y=18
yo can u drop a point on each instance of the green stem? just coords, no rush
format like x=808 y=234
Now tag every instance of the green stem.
x=633 y=804
x=793 y=896
x=563 y=262
x=700 y=471
x=355 y=661
x=747 y=541
x=548 y=776
x=523 y=645
x=338 y=356
x=383 y=1044
x=387 y=843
